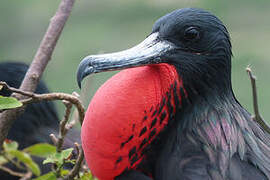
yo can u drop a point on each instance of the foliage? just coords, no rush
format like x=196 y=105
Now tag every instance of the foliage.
x=22 y=159
x=59 y=158
x=9 y=102
x=41 y=150
x=11 y=154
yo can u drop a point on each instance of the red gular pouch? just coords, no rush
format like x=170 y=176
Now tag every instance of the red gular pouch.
x=125 y=115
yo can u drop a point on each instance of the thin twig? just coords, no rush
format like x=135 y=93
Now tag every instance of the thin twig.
x=77 y=147
x=15 y=163
x=33 y=75
x=13 y=173
x=34 y=98
x=58 y=96
x=68 y=100
x=63 y=129
x=27 y=176
x=38 y=65
x=257 y=117
x=75 y=170
x=55 y=142
x=15 y=90
x=54 y=139
x=75 y=114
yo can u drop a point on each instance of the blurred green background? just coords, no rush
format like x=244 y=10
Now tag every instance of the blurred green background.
x=97 y=26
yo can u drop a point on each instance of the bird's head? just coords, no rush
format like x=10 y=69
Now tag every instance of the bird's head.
x=188 y=52
x=193 y=40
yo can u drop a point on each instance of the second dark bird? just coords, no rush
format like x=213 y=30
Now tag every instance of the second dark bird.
x=37 y=122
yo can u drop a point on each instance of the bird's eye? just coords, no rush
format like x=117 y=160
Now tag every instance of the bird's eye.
x=191 y=33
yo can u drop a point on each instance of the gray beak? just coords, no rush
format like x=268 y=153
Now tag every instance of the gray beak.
x=150 y=51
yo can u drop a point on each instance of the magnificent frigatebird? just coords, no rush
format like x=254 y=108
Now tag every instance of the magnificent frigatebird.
x=173 y=115
x=37 y=122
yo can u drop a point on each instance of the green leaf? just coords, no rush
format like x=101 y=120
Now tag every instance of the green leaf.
x=72 y=161
x=50 y=159
x=27 y=160
x=9 y=103
x=66 y=153
x=3 y=160
x=64 y=172
x=86 y=176
x=58 y=158
x=48 y=176
x=41 y=150
x=10 y=145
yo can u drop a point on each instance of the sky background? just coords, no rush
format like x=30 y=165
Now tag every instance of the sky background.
x=98 y=26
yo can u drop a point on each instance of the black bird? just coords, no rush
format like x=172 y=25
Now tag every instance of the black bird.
x=176 y=117
x=37 y=122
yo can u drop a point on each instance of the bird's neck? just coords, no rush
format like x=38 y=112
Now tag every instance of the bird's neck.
x=200 y=106
x=190 y=115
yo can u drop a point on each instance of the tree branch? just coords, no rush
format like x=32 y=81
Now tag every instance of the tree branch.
x=15 y=163
x=27 y=176
x=257 y=117
x=68 y=100
x=34 y=98
x=11 y=172
x=75 y=170
x=63 y=128
x=39 y=63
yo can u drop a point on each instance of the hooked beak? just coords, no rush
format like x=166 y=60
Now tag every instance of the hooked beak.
x=151 y=51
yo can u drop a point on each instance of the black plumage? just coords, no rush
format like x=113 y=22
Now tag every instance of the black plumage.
x=32 y=126
x=39 y=119
x=215 y=137
x=211 y=136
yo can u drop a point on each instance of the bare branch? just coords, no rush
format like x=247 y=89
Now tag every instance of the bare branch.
x=33 y=98
x=47 y=45
x=14 y=90
x=15 y=163
x=77 y=147
x=32 y=77
x=58 y=96
x=38 y=65
x=13 y=173
x=257 y=117
x=54 y=139
x=75 y=170
x=27 y=176
x=63 y=129
x=68 y=100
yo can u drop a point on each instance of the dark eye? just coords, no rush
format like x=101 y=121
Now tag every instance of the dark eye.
x=191 y=33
